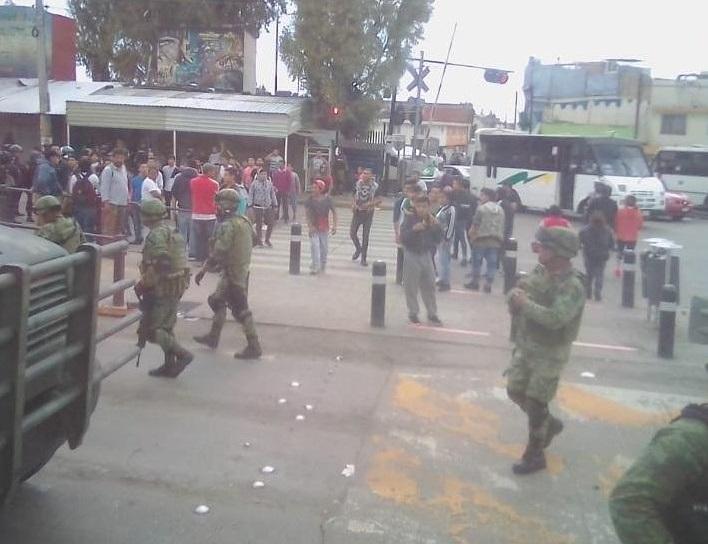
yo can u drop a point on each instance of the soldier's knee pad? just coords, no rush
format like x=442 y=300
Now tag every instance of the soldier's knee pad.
x=517 y=397
x=216 y=303
x=537 y=411
x=243 y=316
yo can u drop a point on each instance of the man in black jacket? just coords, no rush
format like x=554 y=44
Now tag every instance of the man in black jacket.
x=602 y=202
x=182 y=198
x=420 y=234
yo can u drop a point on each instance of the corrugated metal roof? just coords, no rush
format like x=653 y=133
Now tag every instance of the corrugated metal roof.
x=195 y=100
x=159 y=109
x=22 y=96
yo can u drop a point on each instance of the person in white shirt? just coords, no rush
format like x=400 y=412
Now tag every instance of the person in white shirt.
x=152 y=163
x=169 y=172
x=150 y=190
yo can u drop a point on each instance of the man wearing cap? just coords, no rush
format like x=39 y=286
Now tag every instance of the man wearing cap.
x=53 y=226
x=164 y=277
x=230 y=254
x=546 y=308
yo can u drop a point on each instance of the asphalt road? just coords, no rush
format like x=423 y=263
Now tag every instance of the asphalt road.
x=422 y=418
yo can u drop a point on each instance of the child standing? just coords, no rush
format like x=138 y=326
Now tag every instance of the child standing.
x=319 y=205
x=597 y=241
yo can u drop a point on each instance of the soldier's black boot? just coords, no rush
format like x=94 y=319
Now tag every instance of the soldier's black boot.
x=208 y=340
x=252 y=351
x=181 y=359
x=532 y=461
x=163 y=371
x=555 y=427
x=211 y=339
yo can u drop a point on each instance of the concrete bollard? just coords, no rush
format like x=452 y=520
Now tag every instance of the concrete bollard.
x=399 y=266
x=510 y=264
x=629 y=271
x=667 y=321
x=295 y=248
x=378 y=294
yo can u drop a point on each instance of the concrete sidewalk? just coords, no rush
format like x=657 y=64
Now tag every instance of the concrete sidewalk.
x=340 y=301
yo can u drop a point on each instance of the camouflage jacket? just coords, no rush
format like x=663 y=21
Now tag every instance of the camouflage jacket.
x=663 y=497
x=550 y=320
x=164 y=266
x=230 y=249
x=65 y=232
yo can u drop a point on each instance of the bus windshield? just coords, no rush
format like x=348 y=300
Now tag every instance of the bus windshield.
x=621 y=160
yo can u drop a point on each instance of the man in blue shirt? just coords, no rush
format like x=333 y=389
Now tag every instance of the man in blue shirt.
x=136 y=189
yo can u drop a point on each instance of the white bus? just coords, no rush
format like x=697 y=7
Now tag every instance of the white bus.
x=684 y=170
x=562 y=170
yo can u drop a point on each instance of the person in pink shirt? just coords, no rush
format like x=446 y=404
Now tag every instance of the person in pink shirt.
x=554 y=218
x=246 y=174
x=628 y=224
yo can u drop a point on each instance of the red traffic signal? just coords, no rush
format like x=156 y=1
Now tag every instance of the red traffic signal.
x=496 y=76
x=335 y=111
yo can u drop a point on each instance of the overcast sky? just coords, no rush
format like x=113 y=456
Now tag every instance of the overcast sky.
x=670 y=38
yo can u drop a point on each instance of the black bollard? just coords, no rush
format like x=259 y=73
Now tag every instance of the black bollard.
x=667 y=321
x=378 y=294
x=510 y=264
x=295 y=248
x=399 y=266
x=629 y=271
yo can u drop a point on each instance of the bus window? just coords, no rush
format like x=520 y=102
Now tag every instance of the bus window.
x=507 y=152
x=583 y=160
x=682 y=162
x=621 y=160
x=543 y=155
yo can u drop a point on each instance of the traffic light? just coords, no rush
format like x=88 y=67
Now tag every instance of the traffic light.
x=496 y=76
x=335 y=112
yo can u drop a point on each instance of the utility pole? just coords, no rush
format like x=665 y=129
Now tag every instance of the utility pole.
x=277 y=49
x=45 y=128
x=418 y=112
x=516 y=107
x=637 y=113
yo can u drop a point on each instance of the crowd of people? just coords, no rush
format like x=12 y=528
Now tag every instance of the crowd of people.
x=103 y=189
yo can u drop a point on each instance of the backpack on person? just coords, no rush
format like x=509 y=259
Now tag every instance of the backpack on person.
x=84 y=194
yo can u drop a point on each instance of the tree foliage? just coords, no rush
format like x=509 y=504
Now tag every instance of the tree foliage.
x=117 y=39
x=348 y=52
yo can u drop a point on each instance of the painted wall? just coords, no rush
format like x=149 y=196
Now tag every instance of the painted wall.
x=689 y=98
x=18 y=48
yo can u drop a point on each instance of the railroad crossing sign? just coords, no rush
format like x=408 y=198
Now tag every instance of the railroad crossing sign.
x=418 y=77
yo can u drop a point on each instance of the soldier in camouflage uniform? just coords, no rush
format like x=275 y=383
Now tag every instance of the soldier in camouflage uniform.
x=546 y=309
x=53 y=226
x=230 y=255
x=663 y=497
x=164 y=277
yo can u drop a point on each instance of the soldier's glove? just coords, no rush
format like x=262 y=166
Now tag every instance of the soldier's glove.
x=199 y=277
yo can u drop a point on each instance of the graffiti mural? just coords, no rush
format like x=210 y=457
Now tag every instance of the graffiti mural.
x=205 y=58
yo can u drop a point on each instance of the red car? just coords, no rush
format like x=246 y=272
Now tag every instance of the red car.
x=677 y=206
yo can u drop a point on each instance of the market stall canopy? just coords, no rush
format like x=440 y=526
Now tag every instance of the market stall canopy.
x=21 y=95
x=187 y=111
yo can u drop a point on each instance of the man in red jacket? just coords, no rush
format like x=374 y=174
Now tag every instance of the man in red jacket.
x=203 y=189
x=282 y=180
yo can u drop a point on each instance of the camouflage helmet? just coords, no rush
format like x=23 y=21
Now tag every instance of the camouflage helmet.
x=46 y=203
x=563 y=242
x=227 y=199
x=154 y=209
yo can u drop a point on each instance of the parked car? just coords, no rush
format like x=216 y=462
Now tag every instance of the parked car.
x=678 y=206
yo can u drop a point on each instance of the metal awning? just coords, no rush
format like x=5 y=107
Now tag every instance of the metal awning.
x=185 y=111
x=22 y=95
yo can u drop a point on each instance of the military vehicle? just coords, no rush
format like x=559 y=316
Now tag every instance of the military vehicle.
x=49 y=375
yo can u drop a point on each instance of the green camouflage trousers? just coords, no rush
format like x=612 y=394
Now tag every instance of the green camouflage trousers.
x=235 y=297
x=535 y=374
x=161 y=324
